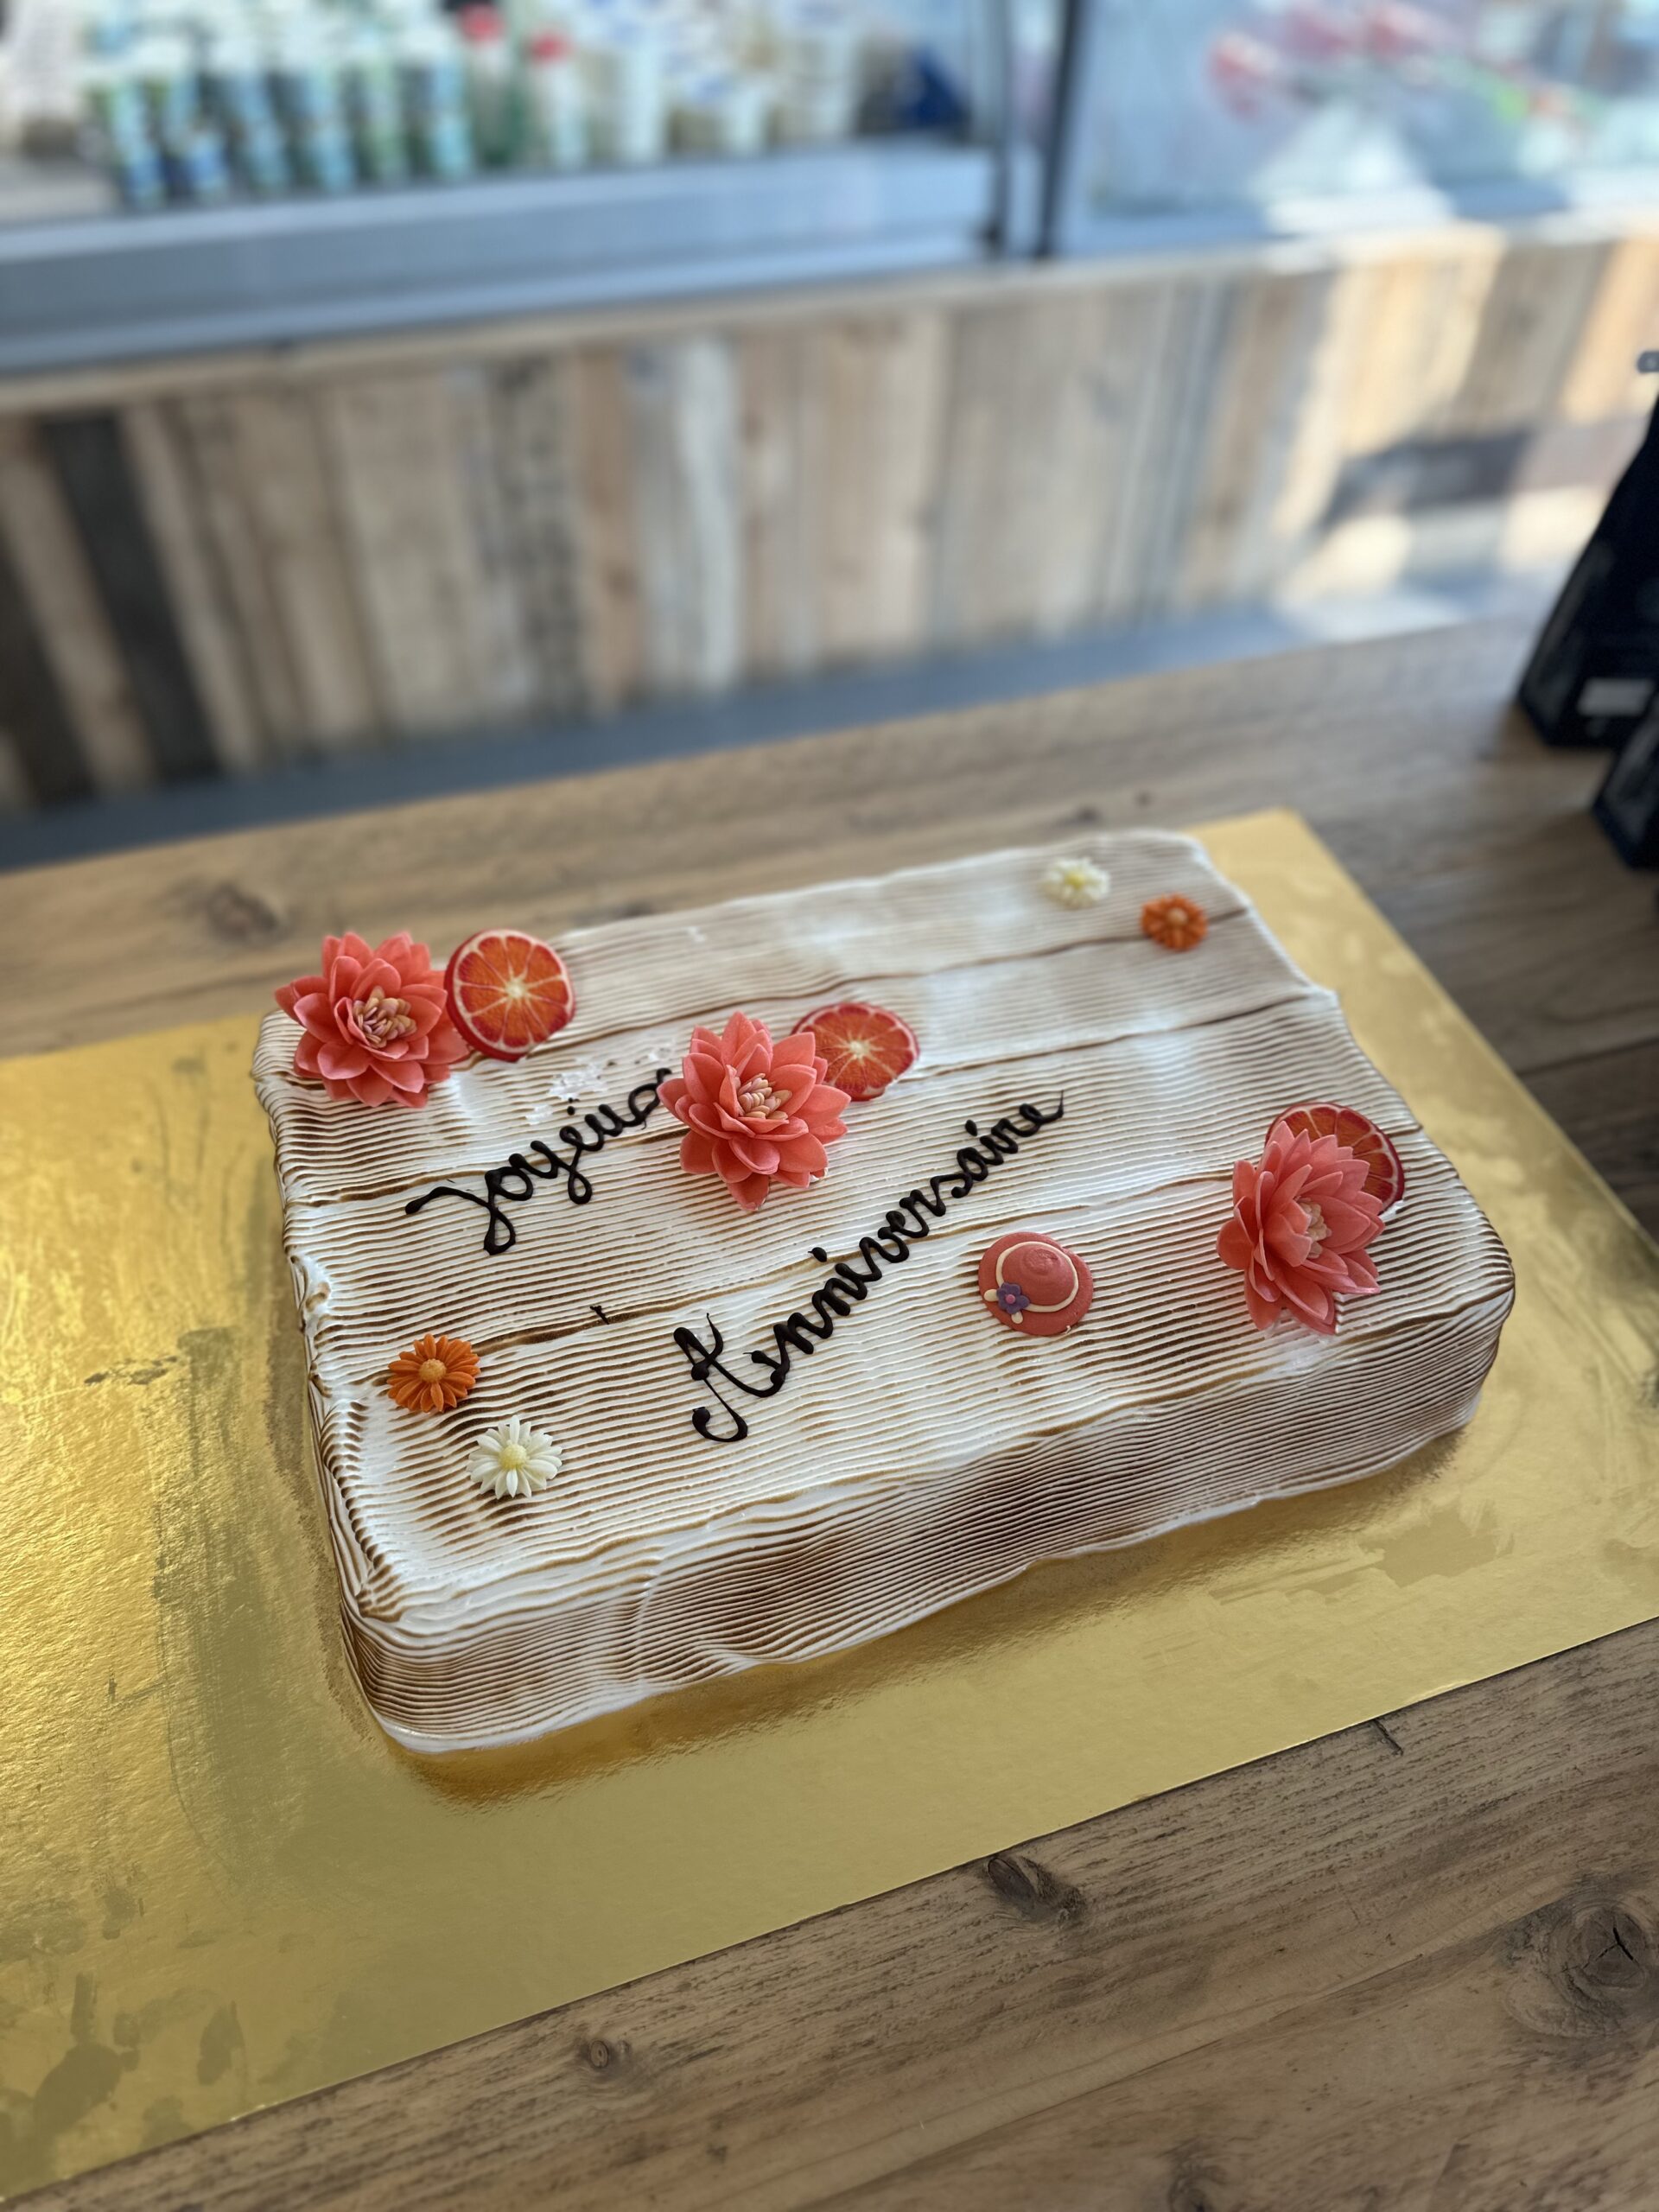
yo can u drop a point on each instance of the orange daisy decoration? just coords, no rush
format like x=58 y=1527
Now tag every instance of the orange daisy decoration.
x=1175 y=923
x=433 y=1375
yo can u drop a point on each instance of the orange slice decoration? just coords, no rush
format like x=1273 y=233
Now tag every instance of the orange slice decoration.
x=1385 y=1177
x=508 y=993
x=864 y=1047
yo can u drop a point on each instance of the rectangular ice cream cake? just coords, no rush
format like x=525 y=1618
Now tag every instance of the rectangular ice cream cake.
x=697 y=1335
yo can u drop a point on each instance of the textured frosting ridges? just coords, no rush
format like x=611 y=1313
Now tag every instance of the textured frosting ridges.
x=922 y=1454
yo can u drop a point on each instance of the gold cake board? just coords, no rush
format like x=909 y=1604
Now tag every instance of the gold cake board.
x=222 y=1886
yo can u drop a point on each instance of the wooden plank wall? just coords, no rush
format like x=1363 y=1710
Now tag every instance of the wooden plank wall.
x=227 y=564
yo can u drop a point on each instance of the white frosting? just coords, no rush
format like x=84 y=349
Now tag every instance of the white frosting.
x=925 y=1452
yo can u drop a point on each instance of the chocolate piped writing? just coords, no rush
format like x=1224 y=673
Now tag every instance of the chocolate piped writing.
x=849 y=1282
x=516 y=1179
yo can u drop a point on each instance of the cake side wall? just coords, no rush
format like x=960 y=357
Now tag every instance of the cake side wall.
x=770 y=1588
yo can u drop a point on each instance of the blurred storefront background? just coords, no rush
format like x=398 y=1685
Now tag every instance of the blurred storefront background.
x=370 y=372
x=1300 y=111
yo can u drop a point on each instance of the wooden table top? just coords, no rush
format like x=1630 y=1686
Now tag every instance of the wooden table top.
x=1414 y=1964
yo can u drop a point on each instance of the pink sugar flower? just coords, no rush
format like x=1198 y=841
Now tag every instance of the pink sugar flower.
x=376 y=1023
x=1301 y=1220
x=754 y=1109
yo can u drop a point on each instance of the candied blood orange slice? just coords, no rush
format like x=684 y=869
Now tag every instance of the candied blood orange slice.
x=863 y=1047
x=1385 y=1178
x=508 y=992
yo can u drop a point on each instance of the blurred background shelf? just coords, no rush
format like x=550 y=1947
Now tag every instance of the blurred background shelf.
x=1079 y=322
x=190 y=279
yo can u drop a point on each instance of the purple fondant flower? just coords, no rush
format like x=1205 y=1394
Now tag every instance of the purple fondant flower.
x=1012 y=1298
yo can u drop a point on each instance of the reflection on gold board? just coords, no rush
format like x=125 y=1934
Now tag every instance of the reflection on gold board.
x=221 y=1886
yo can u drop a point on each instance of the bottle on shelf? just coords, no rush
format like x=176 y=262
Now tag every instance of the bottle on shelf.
x=374 y=105
x=195 y=99
x=311 y=101
x=556 y=102
x=434 y=99
x=818 y=70
x=727 y=111
x=198 y=169
x=492 y=88
x=628 y=92
x=190 y=146
x=239 y=97
x=119 y=130
x=167 y=84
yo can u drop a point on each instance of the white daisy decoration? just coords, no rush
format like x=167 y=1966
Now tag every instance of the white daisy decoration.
x=513 y=1460
x=1076 y=882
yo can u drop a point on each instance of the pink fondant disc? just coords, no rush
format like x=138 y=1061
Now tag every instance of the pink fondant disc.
x=1035 y=1285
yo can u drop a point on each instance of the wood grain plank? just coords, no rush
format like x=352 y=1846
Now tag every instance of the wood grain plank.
x=1062 y=468
x=1603 y=378
x=608 y=575
x=1540 y=299
x=683 y=420
x=668 y=647
x=1016 y=521
x=1424 y=318
x=503 y=669
x=1324 y=437
x=1259 y=558
x=1606 y=1100
x=1228 y=550
x=883 y=382
x=910 y=464
x=42 y=733
x=1197 y=366
x=45 y=766
x=847 y=390
x=392 y=451
x=704 y=381
x=781 y=434
x=1102 y=393
x=984 y=347
x=1140 y=488
x=520 y=468
x=16 y=796
x=63 y=597
x=91 y=463
x=207 y=448
x=1451 y=303
x=285 y=480
x=1400 y=342
x=164 y=471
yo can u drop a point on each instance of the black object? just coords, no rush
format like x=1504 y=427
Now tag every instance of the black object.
x=1627 y=805
x=1595 y=670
